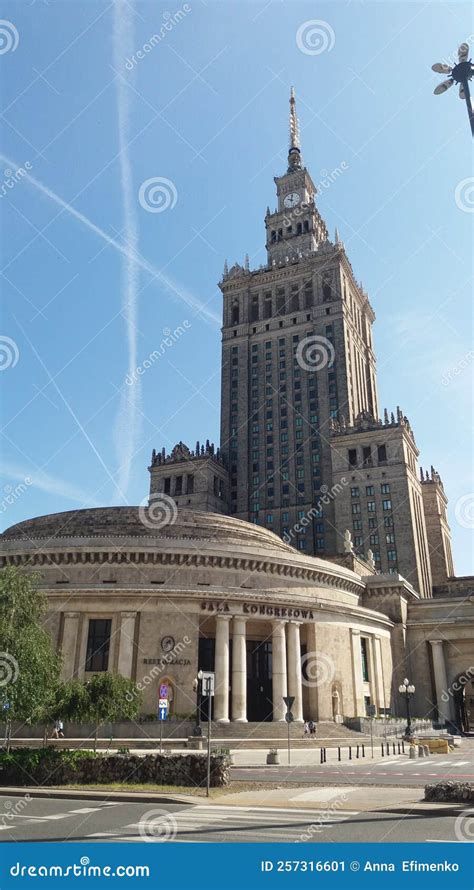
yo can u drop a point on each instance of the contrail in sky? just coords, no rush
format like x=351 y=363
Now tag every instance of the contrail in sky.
x=128 y=423
x=174 y=288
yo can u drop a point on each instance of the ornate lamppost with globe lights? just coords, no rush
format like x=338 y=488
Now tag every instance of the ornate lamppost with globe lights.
x=407 y=689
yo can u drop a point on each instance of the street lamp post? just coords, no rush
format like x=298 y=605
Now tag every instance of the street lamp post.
x=461 y=74
x=407 y=689
x=197 y=731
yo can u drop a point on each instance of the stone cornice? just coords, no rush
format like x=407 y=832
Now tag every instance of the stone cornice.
x=129 y=555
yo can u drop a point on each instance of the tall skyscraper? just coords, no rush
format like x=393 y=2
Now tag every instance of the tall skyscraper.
x=296 y=352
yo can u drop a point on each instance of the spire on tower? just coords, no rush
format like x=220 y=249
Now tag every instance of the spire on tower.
x=294 y=154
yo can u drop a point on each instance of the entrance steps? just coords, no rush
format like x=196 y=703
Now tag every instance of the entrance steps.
x=262 y=735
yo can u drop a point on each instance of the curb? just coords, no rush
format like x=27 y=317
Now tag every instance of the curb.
x=428 y=810
x=119 y=796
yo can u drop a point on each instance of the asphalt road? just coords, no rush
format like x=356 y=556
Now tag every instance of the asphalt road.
x=94 y=821
x=393 y=770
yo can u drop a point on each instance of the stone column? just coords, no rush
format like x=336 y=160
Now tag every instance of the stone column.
x=279 y=681
x=69 y=644
x=294 y=670
x=126 y=643
x=221 y=668
x=239 y=670
x=441 y=680
x=357 y=681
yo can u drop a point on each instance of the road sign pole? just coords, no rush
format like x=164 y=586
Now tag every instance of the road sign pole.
x=161 y=737
x=288 y=699
x=209 y=715
x=289 y=755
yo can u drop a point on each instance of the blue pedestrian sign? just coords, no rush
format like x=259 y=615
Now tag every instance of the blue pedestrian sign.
x=162 y=713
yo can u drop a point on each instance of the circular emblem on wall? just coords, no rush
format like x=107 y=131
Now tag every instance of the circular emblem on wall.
x=167 y=643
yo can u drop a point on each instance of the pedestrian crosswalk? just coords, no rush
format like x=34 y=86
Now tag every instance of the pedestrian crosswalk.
x=207 y=823
x=11 y=820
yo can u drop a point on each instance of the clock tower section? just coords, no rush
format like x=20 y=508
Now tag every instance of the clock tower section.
x=296 y=227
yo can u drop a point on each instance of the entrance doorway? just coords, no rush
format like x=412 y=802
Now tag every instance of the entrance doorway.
x=259 y=681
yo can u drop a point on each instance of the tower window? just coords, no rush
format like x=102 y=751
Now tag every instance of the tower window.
x=235 y=312
x=167 y=485
x=306 y=226
x=267 y=306
x=254 y=309
x=352 y=457
x=382 y=454
x=367 y=456
x=178 y=485
x=327 y=291
x=190 y=483
x=299 y=229
x=308 y=295
x=273 y=237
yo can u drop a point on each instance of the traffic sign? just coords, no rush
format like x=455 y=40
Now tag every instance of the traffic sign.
x=207 y=679
x=288 y=699
x=163 y=703
x=163 y=690
x=162 y=713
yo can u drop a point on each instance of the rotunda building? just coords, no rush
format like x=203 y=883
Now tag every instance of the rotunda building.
x=158 y=602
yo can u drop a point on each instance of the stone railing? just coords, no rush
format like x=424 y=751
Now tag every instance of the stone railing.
x=382 y=728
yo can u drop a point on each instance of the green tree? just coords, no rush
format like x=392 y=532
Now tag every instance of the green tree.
x=29 y=666
x=104 y=698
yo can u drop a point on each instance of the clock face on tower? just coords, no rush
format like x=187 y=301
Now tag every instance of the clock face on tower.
x=292 y=199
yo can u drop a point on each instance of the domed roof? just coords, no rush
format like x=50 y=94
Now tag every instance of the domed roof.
x=162 y=522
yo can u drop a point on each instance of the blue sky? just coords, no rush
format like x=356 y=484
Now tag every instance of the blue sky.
x=206 y=110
